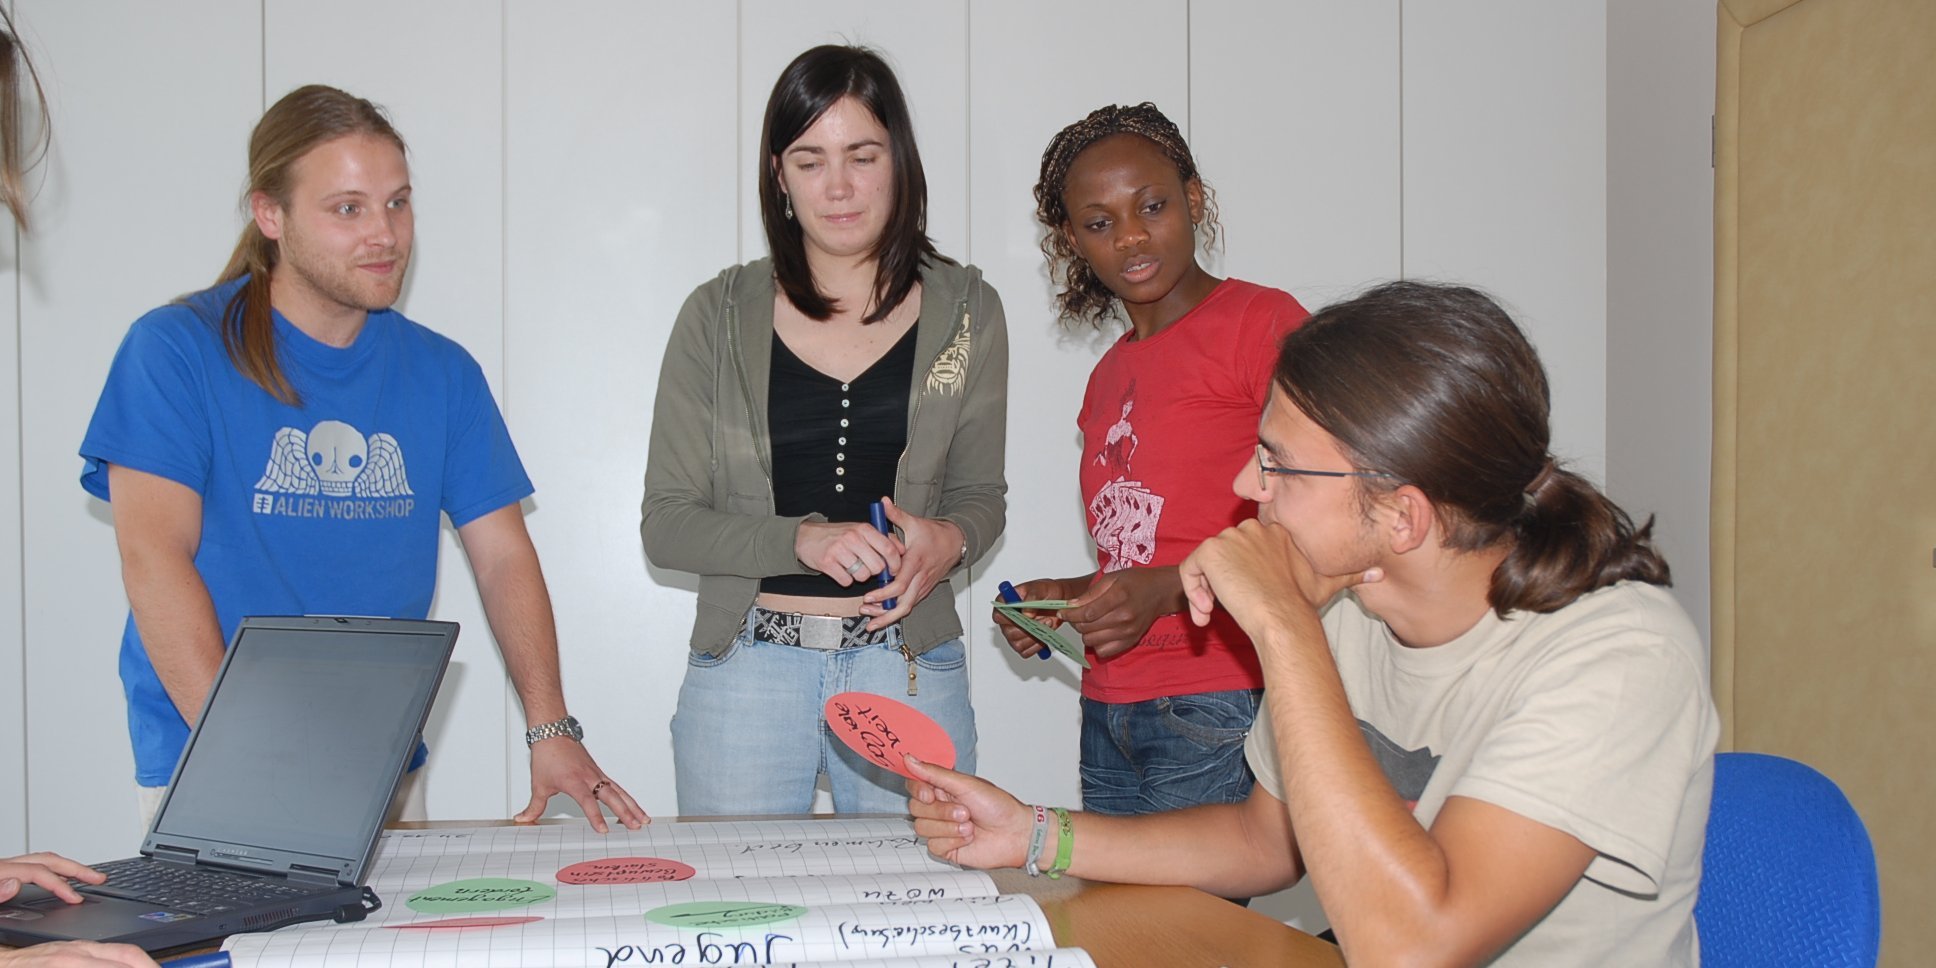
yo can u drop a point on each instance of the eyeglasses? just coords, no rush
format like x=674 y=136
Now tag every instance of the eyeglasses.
x=1265 y=469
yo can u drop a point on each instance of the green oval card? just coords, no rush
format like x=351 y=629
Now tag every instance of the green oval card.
x=723 y=914
x=478 y=894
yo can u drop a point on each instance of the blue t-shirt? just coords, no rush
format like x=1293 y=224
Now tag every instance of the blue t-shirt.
x=328 y=508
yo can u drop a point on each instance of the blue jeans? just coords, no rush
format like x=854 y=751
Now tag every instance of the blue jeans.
x=749 y=738
x=1166 y=753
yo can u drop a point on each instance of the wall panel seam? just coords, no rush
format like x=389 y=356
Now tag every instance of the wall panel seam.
x=739 y=129
x=1401 y=139
x=968 y=142
x=20 y=522
x=507 y=694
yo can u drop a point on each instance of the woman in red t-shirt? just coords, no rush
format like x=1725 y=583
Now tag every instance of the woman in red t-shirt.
x=1170 y=413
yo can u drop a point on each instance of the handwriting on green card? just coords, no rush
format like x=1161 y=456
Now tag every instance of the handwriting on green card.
x=1043 y=634
x=723 y=914
x=479 y=894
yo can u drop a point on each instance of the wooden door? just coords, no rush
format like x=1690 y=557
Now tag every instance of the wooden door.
x=1825 y=414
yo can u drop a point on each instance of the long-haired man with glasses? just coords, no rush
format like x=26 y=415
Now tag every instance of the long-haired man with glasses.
x=1487 y=734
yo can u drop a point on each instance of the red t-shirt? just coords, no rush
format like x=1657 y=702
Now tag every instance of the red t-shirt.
x=1166 y=424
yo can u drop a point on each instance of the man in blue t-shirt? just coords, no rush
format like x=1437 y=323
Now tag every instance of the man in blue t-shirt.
x=285 y=443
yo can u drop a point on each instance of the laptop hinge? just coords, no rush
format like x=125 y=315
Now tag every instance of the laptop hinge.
x=175 y=855
x=317 y=875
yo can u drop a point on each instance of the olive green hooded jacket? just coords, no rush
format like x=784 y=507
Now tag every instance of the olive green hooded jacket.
x=708 y=480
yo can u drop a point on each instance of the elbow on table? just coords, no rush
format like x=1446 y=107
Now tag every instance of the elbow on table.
x=1414 y=946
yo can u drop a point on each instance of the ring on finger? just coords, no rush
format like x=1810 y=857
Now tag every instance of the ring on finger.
x=856 y=568
x=600 y=785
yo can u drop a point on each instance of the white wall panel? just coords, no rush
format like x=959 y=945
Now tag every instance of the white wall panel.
x=1033 y=69
x=620 y=199
x=924 y=42
x=1505 y=158
x=1294 y=122
x=13 y=654
x=140 y=205
x=1660 y=278
x=437 y=67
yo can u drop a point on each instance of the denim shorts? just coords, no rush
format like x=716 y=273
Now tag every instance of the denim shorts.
x=1166 y=753
x=748 y=735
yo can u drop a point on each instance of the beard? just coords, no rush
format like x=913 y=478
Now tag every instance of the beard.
x=340 y=281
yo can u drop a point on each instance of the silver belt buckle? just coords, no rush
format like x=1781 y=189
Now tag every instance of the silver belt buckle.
x=823 y=632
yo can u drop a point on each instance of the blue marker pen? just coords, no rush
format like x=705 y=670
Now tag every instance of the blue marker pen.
x=878 y=514
x=217 y=959
x=1008 y=593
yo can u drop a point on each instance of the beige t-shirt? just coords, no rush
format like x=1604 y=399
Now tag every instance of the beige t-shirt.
x=1595 y=720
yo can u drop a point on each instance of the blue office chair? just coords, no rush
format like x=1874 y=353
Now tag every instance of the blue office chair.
x=1789 y=875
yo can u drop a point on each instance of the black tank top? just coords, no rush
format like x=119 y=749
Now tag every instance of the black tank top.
x=836 y=446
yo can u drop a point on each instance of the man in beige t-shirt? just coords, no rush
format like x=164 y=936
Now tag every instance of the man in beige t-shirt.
x=1594 y=720
x=1498 y=748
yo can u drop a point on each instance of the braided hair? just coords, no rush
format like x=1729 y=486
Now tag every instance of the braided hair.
x=1082 y=295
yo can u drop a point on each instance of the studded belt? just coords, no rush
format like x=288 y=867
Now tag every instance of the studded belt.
x=827 y=633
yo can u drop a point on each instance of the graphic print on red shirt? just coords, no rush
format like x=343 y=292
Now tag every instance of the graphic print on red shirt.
x=1124 y=513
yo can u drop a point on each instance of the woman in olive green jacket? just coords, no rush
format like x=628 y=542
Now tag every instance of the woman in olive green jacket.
x=855 y=366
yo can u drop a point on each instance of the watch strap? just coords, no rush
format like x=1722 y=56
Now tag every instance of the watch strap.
x=567 y=727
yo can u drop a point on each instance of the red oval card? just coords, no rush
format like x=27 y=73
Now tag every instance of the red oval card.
x=882 y=729
x=625 y=870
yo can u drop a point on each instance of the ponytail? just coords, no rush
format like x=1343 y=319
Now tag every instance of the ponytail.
x=1569 y=540
x=248 y=328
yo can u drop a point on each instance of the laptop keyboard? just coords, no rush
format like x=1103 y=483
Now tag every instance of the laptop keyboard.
x=200 y=890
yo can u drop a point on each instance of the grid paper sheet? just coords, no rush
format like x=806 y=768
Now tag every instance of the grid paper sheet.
x=840 y=933
x=395 y=877
x=1051 y=958
x=621 y=842
x=619 y=900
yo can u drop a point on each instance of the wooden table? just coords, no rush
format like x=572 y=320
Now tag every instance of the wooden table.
x=1132 y=926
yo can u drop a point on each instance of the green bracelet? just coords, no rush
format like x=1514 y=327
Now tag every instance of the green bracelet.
x=1065 y=843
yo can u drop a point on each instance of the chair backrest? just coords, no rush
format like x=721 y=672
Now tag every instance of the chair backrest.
x=1788 y=875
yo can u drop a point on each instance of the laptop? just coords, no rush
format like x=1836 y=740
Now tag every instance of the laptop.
x=280 y=795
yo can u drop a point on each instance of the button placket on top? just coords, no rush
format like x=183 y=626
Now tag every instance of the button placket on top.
x=840 y=456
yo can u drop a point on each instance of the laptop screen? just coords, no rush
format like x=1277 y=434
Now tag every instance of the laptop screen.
x=300 y=746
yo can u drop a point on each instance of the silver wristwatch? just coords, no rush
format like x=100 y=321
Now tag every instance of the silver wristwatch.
x=567 y=727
